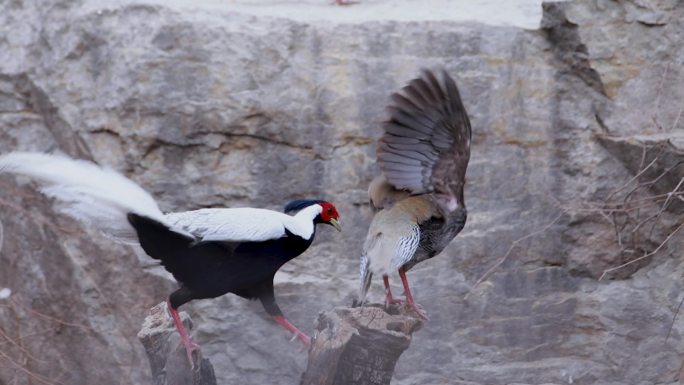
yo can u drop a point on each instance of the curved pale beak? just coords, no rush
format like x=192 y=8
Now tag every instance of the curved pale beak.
x=336 y=224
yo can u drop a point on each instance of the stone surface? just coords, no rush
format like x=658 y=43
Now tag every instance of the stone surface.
x=206 y=107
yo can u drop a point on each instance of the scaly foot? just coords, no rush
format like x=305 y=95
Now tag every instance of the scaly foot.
x=418 y=309
x=389 y=300
x=191 y=347
x=282 y=321
x=409 y=297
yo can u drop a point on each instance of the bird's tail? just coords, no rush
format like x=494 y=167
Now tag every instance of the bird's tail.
x=159 y=240
x=366 y=275
x=83 y=190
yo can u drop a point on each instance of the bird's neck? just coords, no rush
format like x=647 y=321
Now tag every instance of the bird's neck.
x=304 y=225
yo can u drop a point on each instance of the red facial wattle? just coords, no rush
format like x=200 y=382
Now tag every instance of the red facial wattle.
x=330 y=215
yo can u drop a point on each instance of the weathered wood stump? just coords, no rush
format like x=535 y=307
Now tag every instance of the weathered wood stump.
x=359 y=346
x=168 y=360
x=352 y=346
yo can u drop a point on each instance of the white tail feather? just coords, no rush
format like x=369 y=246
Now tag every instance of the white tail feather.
x=95 y=195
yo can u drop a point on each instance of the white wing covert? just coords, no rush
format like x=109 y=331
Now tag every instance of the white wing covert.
x=234 y=224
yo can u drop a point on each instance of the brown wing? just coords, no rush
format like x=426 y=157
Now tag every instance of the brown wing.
x=426 y=144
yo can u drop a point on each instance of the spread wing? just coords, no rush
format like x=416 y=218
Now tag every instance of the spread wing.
x=426 y=144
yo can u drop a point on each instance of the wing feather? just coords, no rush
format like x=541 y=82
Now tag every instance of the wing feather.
x=423 y=148
x=426 y=144
x=233 y=224
x=435 y=88
x=394 y=158
x=417 y=89
x=399 y=176
x=420 y=127
x=404 y=103
x=404 y=167
x=390 y=138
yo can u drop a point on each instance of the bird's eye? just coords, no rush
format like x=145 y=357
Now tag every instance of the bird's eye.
x=329 y=210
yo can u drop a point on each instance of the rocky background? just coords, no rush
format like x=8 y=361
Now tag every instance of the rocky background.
x=208 y=107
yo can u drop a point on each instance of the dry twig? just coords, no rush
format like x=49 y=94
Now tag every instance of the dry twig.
x=514 y=244
x=628 y=208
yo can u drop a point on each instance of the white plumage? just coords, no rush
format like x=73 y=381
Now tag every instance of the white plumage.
x=102 y=197
x=98 y=196
x=123 y=210
x=243 y=224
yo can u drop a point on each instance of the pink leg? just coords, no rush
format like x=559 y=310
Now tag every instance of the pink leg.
x=409 y=297
x=282 y=321
x=190 y=345
x=389 y=300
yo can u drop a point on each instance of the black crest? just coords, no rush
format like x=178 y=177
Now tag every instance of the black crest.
x=299 y=204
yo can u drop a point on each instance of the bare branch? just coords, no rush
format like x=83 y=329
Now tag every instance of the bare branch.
x=633 y=209
x=666 y=204
x=37 y=377
x=47 y=317
x=656 y=106
x=514 y=244
x=634 y=178
x=643 y=256
x=19 y=345
x=669 y=331
x=679 y=115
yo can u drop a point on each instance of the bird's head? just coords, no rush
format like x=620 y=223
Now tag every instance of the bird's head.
x=325 y=211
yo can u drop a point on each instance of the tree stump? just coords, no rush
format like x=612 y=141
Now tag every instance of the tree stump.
x=359 y=346
x=168 y=360
x=352 y=346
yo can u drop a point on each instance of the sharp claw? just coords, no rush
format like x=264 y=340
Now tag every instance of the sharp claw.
x=191 y=358
x=419 y=310
x=296 y=332
x=306 y=340
x=394 y=301
x=190 y=348
x=389 y=300
x=306 y=343
x=186 y=340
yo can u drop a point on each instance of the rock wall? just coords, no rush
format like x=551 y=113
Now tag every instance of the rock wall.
x=205 y=107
